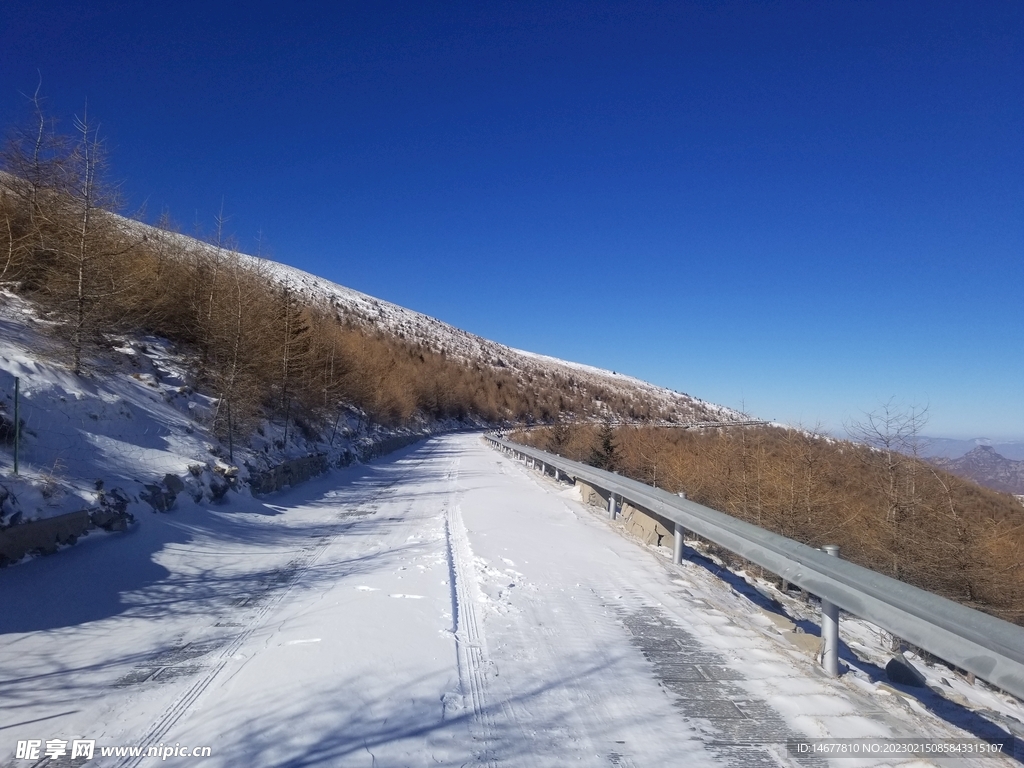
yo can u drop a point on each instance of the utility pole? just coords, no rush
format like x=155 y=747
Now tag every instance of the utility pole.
x=17 y=422
x=231 y=439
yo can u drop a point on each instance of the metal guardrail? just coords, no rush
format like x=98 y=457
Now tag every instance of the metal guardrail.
x=990 y=648
x=719 y=424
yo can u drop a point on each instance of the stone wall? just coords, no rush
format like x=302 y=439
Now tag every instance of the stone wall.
x=595 y=497
x=381 y=448
x=649 y=527
x=288 y=473
x=298 y=470
x=44 y=536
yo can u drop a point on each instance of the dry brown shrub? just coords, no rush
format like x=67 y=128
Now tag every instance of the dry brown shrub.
x=950 y=536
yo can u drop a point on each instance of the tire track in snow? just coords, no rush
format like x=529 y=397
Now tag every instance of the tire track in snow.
x=296 y=569
x=181 y=706
x=574 y=710
x=470 y=644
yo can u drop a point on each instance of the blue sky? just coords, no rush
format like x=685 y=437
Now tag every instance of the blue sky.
x=800 y=209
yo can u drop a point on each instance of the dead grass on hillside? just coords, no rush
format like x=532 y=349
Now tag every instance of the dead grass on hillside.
x=905 y=519
x=259 y=347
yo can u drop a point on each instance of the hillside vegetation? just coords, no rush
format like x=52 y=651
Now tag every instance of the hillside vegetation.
x=887 y=510
x=266 y=342
x=262 y=344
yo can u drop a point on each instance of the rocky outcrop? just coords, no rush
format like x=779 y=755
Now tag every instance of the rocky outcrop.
x=161 y=497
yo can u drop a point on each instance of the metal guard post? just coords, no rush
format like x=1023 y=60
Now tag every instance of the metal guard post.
x=830 y=627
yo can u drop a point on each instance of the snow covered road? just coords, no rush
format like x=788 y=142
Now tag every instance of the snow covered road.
x=444 y=606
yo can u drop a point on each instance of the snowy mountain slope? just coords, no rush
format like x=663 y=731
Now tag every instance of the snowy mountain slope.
x=417 y=328
x=80 y=434
x=131 y=428
x=135 y=423
x=440 y=336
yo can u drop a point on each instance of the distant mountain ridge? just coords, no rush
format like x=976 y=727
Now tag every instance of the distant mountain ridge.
x=951 y=448
x=985 y=466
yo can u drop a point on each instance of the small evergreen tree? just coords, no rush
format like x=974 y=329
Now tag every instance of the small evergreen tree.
x=558 y=436
x=605 y=454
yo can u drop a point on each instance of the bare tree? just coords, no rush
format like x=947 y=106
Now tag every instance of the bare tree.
x=893 y=432
x=74 y=243
x=34 y=159
x=88 y=159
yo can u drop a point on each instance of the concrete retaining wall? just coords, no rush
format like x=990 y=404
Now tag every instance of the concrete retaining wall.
x=647 y=526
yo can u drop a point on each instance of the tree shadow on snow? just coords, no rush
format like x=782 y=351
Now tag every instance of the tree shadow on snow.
x=354 y=722
x=107 y=575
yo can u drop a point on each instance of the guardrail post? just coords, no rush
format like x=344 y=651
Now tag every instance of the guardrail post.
x=677 y=538
x=612 y=506
x=830 y=628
